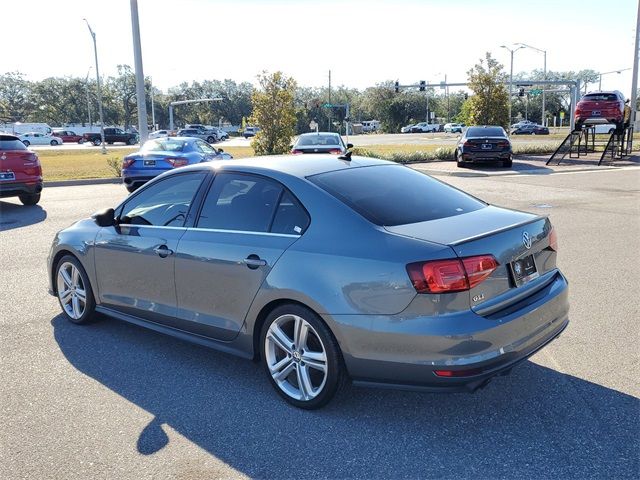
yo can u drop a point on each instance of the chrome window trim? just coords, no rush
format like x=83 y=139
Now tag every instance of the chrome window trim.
x=244 y=232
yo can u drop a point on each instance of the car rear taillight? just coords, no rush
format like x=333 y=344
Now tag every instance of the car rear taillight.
x=452 y=275
x=503 y=144
x=335 y=151
x=458 y=373
x=296 y=152
x=127 y=162
x=468 y=144
x=178 y=162
x=553 y=240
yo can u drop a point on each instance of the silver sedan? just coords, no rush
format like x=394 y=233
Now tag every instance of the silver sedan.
x=326 y=269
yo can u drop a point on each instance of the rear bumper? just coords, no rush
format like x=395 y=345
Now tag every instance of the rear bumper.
x=404 y=351
x=485 y=156
x=133 y=178
x=14 y=189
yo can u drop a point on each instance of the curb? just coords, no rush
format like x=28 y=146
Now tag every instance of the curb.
x=85 y=181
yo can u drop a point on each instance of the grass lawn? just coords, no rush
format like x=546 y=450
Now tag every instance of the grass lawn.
x=91 y=163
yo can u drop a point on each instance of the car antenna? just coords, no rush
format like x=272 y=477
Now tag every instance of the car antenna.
x=346 y=156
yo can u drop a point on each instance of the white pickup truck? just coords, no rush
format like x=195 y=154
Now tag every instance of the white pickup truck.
x=425 y=127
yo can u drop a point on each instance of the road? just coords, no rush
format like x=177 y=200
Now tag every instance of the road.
x=111 y=400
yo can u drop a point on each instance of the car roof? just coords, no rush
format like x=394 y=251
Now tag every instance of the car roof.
x=289 y=164
x=310 y=134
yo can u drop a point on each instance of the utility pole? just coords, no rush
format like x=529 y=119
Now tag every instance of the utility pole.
x=143 y=128
x=634 y=76
x=153 y=110
x=86 y=85
x=329 y=113
x=95 y=52
x=512 y=51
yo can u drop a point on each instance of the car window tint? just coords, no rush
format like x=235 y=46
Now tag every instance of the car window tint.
x=290 y=217
x=476 y=132
x=204 y=147
x=164 y=145
x=240 y=202
x=601 y=97
x=395 y=195
x=164 y=203
x=8 y=142
x=318 y=140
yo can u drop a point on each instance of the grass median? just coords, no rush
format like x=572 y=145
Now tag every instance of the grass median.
x=91 y=163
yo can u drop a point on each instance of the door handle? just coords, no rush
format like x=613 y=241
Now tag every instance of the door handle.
x=163 y=251
x=254 y=261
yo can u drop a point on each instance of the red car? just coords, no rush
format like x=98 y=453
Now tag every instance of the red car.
x=600 y=107
x=68 y=136
x=20 y=171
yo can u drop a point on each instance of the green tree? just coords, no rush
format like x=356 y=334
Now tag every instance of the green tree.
x=274 y=112
x=489 y=105
x=16 y=101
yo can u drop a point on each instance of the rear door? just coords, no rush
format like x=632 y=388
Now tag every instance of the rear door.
x=245 y=224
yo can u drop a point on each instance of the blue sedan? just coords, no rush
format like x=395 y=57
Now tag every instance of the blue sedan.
x=162 y=154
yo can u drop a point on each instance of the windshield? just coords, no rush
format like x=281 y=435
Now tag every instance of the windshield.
x=318 y=140
x=164 y=145
x=478 y=132
x=389 y=195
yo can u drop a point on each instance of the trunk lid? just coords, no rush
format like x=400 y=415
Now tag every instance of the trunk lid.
x=23 y=163
x=499 y=232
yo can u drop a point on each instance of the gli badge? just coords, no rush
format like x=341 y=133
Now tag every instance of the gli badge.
x=477 y=298
x=526 y=240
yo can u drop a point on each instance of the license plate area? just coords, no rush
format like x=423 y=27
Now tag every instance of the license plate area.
x=596 y=113
x=486 y=146
x=524 y=270
x=149 y=163
x=4 y=176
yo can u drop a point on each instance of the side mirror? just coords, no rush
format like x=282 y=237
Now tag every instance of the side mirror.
x=104 y=218
x=220 y=150
x=349 y=145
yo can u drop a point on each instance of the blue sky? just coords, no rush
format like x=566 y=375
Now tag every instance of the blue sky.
x=362 y=42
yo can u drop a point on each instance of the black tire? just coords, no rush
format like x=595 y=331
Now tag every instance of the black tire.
x=336 y=374
x=507 y=163
x=97 y=142
x=26 y=143
x=131 y=141
x=211 y=139
x=29 y=198
x=132 y=188
x=53 y=143
x=90 y=305
x=578 y=126
x=81 y=141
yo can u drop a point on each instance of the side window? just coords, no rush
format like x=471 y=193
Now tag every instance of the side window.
x=290 y=217
x=163 y=204
x=204 y=147
x=240 y=202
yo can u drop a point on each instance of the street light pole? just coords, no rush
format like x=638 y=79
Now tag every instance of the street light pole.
x=143 y=125
x=544 y=52
x=634 y=75
x=95 y=52
x=153 y=110
x=607 y=73
x=86 y=86
x=511 y=51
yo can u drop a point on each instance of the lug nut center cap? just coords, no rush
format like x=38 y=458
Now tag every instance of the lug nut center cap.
x=296 y=356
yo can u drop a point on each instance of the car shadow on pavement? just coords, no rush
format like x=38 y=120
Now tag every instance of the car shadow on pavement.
x=13 y=215
x=536 y=422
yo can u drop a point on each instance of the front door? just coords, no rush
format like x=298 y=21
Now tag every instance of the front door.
x=245 y=225
x=135 y=259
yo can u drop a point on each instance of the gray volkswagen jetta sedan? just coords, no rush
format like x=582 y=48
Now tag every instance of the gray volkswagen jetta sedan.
x=325 y=269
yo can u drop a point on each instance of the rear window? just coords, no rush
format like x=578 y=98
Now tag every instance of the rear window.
x=476 y=132
x=318 y=140
x=390 y=195
x=164 y=145
x=11 y=143
x=601 y=97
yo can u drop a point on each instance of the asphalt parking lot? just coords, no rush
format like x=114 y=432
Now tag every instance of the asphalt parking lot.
x=111 y=400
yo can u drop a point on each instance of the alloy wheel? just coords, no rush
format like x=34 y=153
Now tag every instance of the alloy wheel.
x=296 y=357
x=71 y=290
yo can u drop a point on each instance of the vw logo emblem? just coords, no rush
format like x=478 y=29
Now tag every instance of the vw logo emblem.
x=526 y=240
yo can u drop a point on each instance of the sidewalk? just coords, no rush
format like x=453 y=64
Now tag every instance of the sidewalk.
x=525 y=165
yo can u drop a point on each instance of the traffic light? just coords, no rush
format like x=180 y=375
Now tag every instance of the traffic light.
x=521 y=92
x=466 y=95
x=422 y=85
x=397 y=87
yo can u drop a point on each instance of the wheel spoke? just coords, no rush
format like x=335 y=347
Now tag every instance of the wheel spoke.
x=82 y=295
x=65 y=297
x=300 y=333
x=74 y=276
x=304 y=382
x=76 y=307
x=66 y=277
x=285 y=371
x=317 y=360
x=277 y=336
